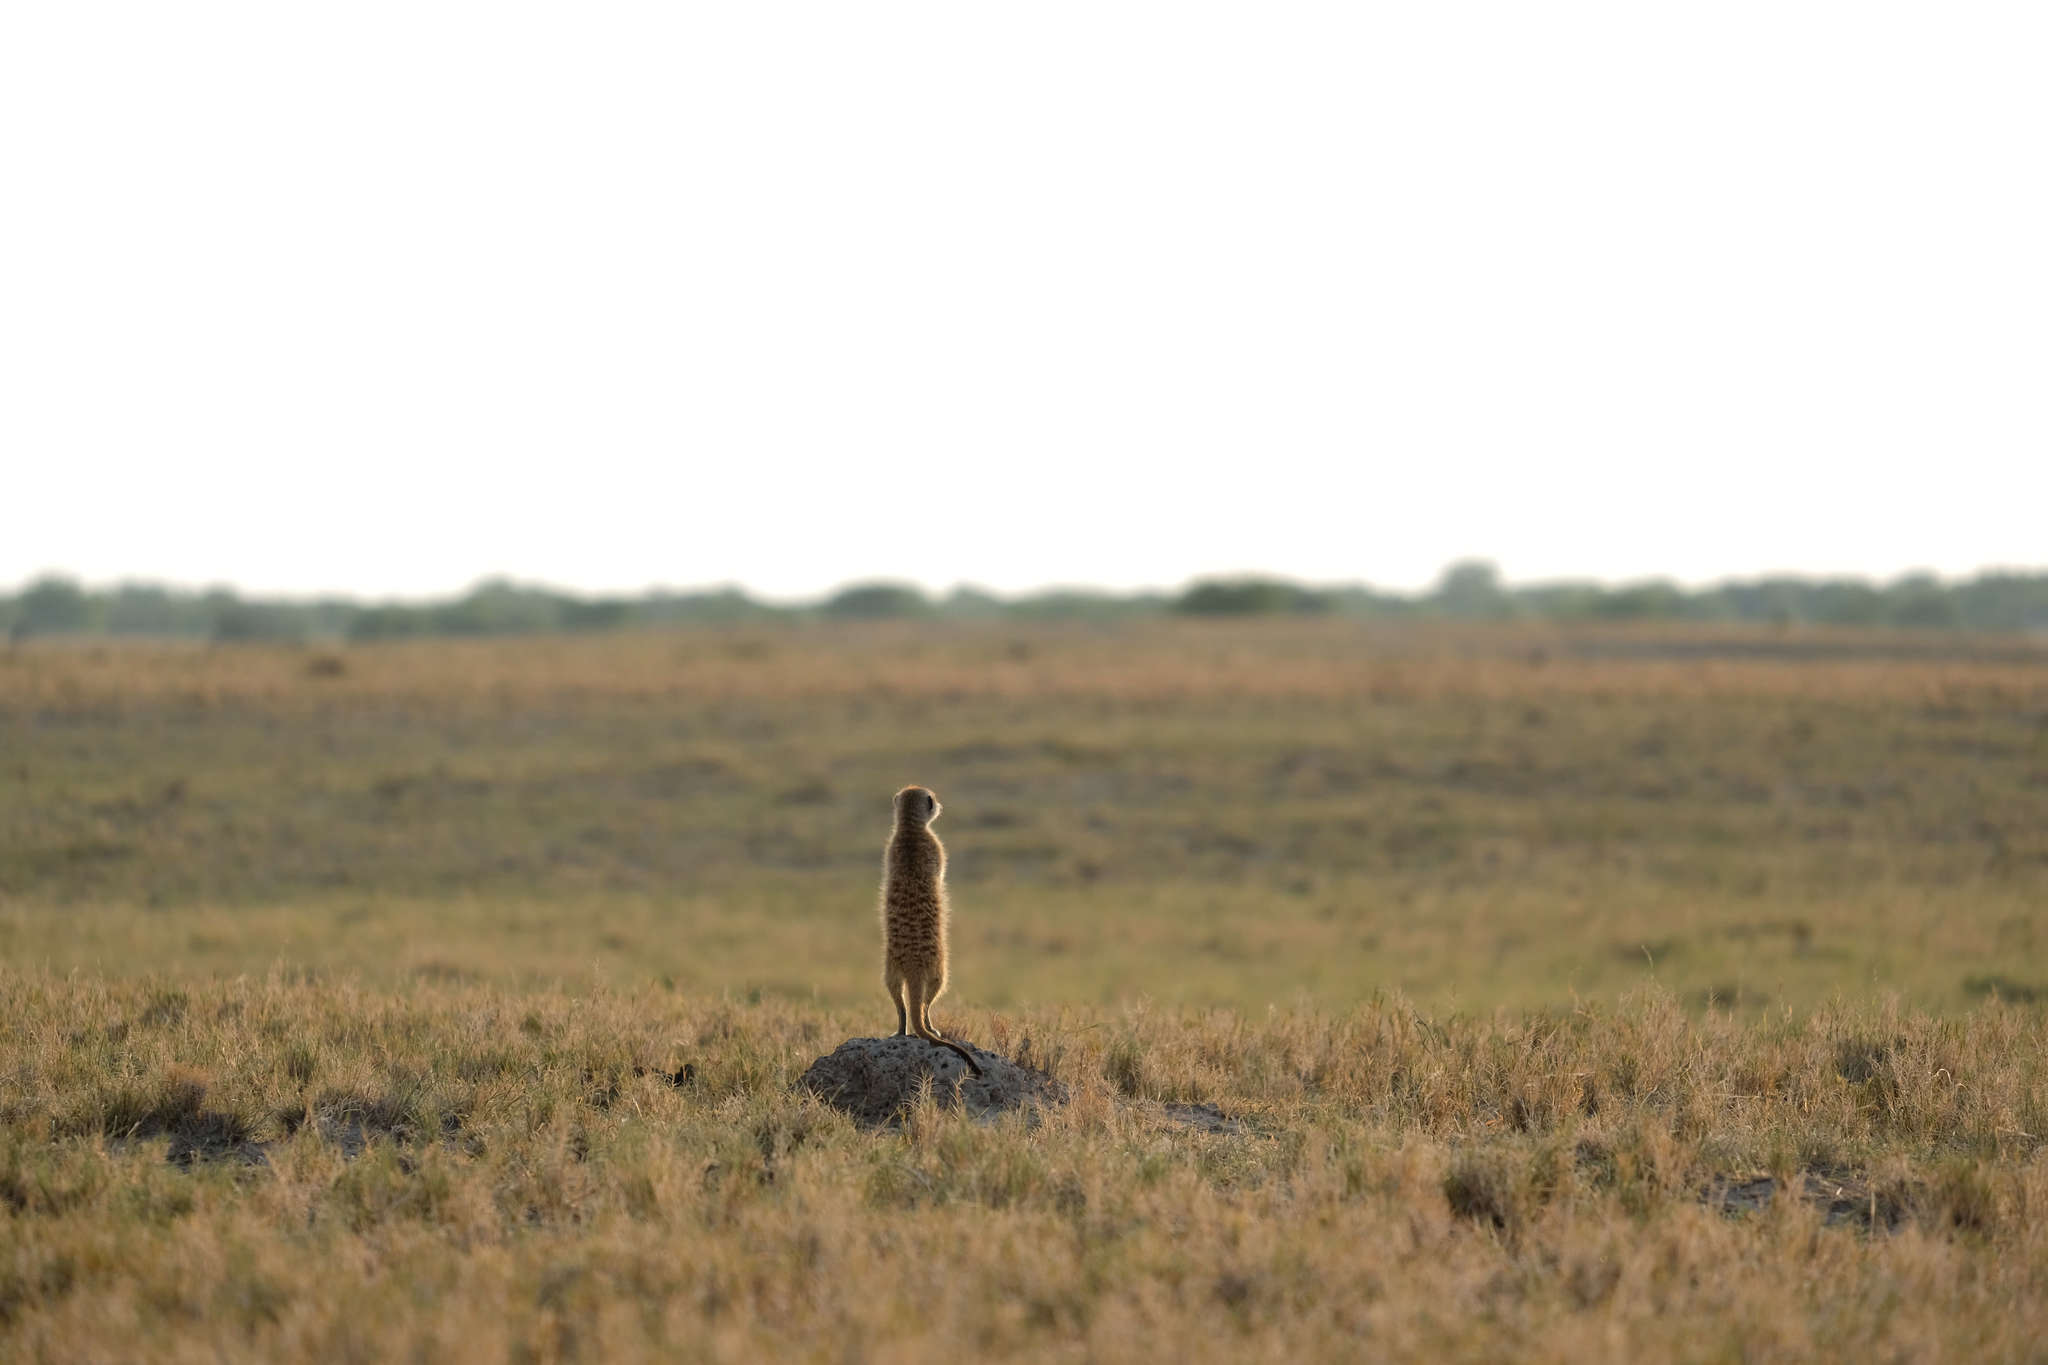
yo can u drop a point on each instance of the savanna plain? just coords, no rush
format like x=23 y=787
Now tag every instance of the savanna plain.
x=1507 y=992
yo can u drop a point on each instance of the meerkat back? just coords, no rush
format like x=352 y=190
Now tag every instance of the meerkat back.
x=914 y=884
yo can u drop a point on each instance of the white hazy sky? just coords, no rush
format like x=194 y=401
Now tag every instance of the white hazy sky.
x=381 y=298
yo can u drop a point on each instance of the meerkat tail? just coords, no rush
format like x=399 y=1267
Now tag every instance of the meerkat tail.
x=925 y=1032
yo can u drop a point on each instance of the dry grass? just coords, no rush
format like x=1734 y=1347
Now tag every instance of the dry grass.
x=1213 y=814
x=1584 y=995
x=281 y=1169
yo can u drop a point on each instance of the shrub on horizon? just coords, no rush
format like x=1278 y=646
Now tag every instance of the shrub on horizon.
x=1248 y=597
x=877 y=601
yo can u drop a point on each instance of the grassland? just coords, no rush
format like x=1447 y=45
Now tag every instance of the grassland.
x=1573 y=994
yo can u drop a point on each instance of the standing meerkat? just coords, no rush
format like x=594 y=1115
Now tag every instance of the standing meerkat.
x=914 y=918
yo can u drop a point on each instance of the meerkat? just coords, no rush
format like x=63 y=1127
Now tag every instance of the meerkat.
x=914 y=918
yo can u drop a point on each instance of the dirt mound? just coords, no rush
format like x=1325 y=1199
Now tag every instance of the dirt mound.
x=876 y=1079
x=1841 y=1199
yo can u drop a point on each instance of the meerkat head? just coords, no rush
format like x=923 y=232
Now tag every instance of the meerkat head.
x=917 y=806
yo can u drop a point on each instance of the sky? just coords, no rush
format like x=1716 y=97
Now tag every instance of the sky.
x=385 y=298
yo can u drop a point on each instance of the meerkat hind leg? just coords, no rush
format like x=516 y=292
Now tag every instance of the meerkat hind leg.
x=896 y=986
x=921 y=1024
x=922 y=996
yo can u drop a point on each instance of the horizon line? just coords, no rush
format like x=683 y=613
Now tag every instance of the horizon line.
x=960 y=587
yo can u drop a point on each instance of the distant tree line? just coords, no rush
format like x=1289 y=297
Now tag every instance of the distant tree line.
x=1470 y=590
